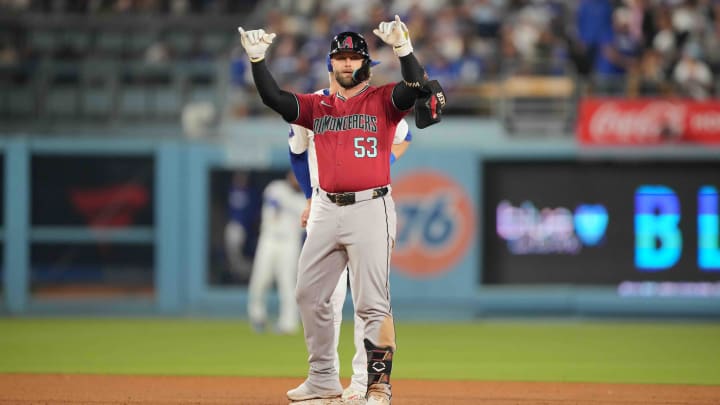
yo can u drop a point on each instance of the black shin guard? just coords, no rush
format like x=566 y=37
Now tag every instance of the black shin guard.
x=379 y=364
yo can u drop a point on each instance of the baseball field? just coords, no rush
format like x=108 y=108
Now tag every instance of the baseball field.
x=221 y=361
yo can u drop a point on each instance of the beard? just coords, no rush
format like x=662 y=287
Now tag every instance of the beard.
x=345 y=82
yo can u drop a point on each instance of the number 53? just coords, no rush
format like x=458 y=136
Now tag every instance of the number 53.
x=365 y=147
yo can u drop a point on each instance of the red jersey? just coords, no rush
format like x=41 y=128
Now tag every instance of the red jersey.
x=353 y=137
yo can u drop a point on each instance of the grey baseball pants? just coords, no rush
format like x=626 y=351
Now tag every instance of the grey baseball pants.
x=361 y=235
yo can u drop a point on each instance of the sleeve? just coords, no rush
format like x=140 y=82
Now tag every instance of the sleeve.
x=306 y=102
x=298 y=139
x=393 y=113
x=272 y=96
x=299 y=163
x=402 y=132
x=409 y=89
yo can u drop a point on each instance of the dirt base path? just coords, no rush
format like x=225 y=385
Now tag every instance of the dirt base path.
x=101 y=389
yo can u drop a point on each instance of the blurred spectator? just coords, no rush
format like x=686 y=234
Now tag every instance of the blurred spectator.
x=417 y=22
x=344 y=21
x=642 y=22
x=692 y=75
x=665 y=40
x=686 y=19
x=651 y=77
x=715 y=8
x=429 y=7
x=243 y=204
x=9 y=54
x=442 y=69
x=448 y=46
x=619 y=54
x=14 y=5
x=593 y=22
x=238 y=91
x=285 y=62
x=179 y=7
x=532 y=41
x=486 y=16
x=357 y=11
x=157 y=53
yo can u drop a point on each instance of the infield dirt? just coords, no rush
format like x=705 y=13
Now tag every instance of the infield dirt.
x=161 y=390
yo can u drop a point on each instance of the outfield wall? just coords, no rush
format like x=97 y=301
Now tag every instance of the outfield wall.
x=487 y=225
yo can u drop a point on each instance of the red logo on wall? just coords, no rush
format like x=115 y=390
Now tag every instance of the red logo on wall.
x=436 y=223
x=112 y=206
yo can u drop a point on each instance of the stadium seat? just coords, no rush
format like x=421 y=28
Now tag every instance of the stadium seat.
x=99 y=86
x=17 y=91
x=110 y=42
x=537 y=104
x=42 y=41
x=61 y=89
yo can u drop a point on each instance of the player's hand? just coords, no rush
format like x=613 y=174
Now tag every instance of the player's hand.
x=305 y=214
x=396 y=34
x=255 y=42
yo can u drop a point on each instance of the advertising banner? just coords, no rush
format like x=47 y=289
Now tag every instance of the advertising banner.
x=648 y=121
x=435 y=194
x=601 y=222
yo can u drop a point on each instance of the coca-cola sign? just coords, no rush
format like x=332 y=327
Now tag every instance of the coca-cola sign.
x=647 y=121
x=704 y=123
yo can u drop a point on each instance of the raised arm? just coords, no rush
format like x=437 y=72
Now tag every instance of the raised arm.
x=416 y=90
x=256 y=43
x=396 y=34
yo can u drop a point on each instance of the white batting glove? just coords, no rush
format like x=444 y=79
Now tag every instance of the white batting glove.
x=255 y=42
x=395 y=33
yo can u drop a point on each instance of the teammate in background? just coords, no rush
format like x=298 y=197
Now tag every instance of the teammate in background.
x=277 y=254
x=301 y=144
x=353 y=219
x=241 y=212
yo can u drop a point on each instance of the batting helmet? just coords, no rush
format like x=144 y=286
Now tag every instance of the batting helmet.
x=349 y=41
x=352 y=42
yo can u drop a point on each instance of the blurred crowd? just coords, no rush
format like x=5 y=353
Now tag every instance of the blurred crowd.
x=618 y=48
x=613 y=47
x=110 y=7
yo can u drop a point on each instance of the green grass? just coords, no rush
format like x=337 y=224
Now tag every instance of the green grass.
x=681 y=353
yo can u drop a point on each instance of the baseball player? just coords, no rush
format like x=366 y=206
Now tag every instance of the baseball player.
x=301 y=144
x=352 y=217
x=242 y=208
x=276 y=254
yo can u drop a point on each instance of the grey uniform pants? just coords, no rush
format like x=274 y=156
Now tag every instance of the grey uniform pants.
x=361 y=235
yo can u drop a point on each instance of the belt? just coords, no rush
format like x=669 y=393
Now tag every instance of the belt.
x=350 y=198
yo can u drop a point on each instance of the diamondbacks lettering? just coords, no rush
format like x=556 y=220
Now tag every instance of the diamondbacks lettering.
x=367 y=123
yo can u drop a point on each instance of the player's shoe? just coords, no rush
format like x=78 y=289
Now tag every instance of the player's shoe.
x=378 y=399
x=352 y=394
x=304 y=392
x=331 y=401
x=379 y=394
